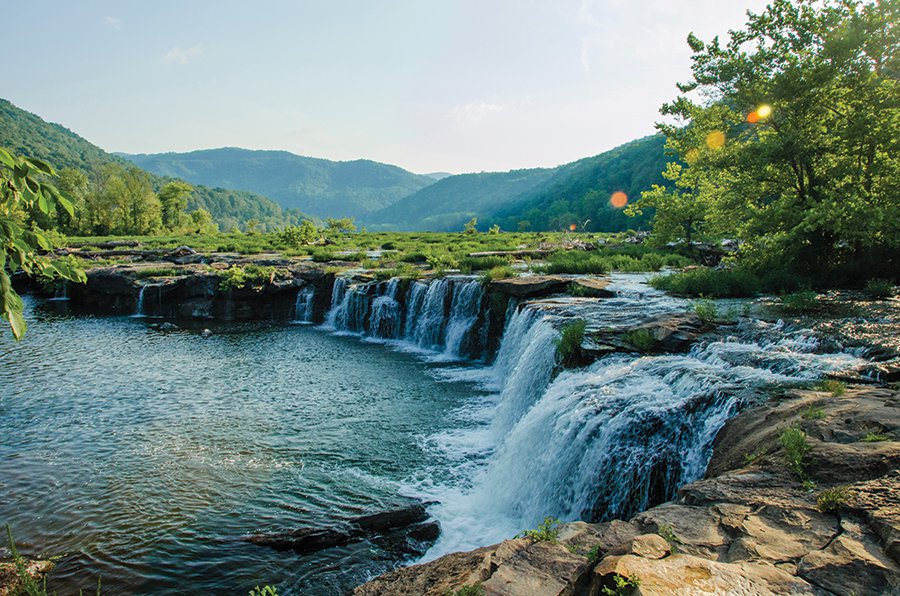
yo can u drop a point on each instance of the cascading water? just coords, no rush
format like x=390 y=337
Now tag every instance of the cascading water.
x=303 y=306
x=139 y=307
x=386 y=315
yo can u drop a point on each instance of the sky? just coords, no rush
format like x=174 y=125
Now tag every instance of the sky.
x=429 y=85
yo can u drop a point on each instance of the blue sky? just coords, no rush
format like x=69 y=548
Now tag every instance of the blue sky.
x=430 y=85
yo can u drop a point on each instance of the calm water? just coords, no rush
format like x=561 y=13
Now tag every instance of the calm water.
x=141 y=456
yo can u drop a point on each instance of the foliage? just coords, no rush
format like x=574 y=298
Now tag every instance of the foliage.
x=494 y=273
x=568 y=345
x=642 y=339
x=595 y=554
x=174 y=199
x=712 y=283
x=811 y=413
x=157 y=272
x=470 y=226
x=873 y=437
x=750 y=458
x=668 y=533
x=796 y=450
x=878 y=289
x=303 y=235
x=832 y=386
x=799 y=302
x=266 y=590
x=788 y=138
x=470 y=264
x=340 y=225
x=576 y=261
x=441 y=262
x=22 y=190
x=707 y=310
x=833 y=500
x=237 y=277
x=547 y=531
x=403 y=271
x=621 y=586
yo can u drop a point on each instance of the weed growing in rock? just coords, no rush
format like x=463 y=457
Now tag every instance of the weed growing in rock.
x=578 y=290
x=502 y=272
x=236 y=277
x=833 y=500
x=473 y=590
x=874 y=437
x=642 y=339
x=668 y=533
x=594 y=554
x=796 y=450
x=835 y=388
x=750 y=458
x=621 y=585
x=264 y=591
x=799 y=302
x=707 y=310
x=547 y=531
x=812 y=413
x=569 y=342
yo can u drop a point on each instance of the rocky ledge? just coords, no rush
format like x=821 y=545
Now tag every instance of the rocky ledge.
x=11 y=580
x=830 y=524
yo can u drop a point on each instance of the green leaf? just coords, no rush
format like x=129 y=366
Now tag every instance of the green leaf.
x=6 y=158
x=40 y=165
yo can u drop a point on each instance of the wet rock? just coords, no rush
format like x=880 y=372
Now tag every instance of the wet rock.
x=531 y=286
x=11 y=584
x=167 y=326
x=595 y=287
x=403 y=530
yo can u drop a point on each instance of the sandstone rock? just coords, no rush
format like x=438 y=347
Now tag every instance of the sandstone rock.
x=595 y=287
x=538 y=569
x=10 y=584
x=648 y=546
x=531 y=286
x=436 y=578
x=686 y=575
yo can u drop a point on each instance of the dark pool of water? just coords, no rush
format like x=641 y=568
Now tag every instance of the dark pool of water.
x=141 y=456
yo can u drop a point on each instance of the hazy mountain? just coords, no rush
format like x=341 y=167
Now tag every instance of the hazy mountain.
x=317 y=186
x=537 y=199
x=28 y=134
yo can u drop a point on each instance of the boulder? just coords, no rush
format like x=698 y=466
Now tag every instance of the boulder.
x=531 y=286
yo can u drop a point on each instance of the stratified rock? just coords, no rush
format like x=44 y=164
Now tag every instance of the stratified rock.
x=531 y=286
x=595 y=287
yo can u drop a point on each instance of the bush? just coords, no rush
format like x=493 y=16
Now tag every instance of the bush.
x=707 y=310
x=799 y=302
x=568 y=345
x=236 y=277
x=157 y=272
x=835 y=388
x=497 y=273
x=470 y=264
x=796 y=450
x=879 y=289
x=547 y=531
x=712 y=283
x=832 y=500
x=621 y=585
x=576 y=261
x=642 y=339
x=403 y=271
x=415 y=257
x=812 y=413
x=323 y=256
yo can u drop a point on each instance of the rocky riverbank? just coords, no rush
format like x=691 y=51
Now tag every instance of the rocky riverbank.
x=751 y=526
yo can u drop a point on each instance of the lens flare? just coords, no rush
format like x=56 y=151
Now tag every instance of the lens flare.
x=691 y=155
x=572 y=227
x=753 y=117
x=715 y=139
x=764 y=111
x=618 y=199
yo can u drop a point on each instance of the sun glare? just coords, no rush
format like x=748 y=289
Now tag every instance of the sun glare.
x=618 y=199
x=715 y=139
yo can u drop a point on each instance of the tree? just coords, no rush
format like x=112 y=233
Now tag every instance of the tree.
x=470 y=227
x=22 y=189
x=303 y=235
x=201 y=222
x=174 y=198
x=142 y=209
x=344 y=224
x=788 y=137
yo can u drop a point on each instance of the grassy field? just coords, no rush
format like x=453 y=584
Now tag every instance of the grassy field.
x=405 y=253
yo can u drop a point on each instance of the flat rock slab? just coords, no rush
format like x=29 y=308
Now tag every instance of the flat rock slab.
x=531 y=286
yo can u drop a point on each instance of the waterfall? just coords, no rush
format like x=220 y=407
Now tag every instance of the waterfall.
x=386 y=315
x=338 y=296
x=465 y=312
x=612 y=439
x=139 y=307
x=303 y=306
x=429 y=319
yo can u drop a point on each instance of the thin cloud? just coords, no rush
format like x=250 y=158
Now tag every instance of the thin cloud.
x=181 y=56
x=114 y=22
x=475 y=111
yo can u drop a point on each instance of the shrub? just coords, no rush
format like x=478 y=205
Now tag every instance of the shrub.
x=547 y=531
x=236 y=277
x=576 y=261
x=799 y=302
x=442 y=262
x=470 y=264
x=621 y=585
x=832 y=500
x=713 y=283
x=832 y=386
x=323 y=256
x=642 y=339
x=796 y=450
x=157 y=272
x=873 y=437
x=569 y=343
x=812 y=413
x=415 y=257
x=497 y=273
x=668 y=532
x=403 y=271
x=878 y=289
x=264 y=591
x=707 y=310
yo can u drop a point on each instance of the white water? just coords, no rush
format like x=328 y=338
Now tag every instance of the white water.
x=601 y=442
x=303 y=306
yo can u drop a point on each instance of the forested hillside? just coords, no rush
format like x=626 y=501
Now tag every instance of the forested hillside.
x=537 y=199
x=27 y=134
x=317 y=186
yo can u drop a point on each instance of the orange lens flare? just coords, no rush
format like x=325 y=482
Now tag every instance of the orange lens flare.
x=764 y=111
x=752 y=117
x=715 y=139
x=618 y=199
x=572 y=227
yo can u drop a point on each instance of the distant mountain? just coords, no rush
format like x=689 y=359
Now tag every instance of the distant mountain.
x=449 y=203
x=438 y=175
x=28 y=134
x=536 y=199
x=317 y=186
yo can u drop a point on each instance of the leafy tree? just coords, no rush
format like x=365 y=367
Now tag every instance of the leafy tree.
x=789 y=138
x=303 y=235
x=471 y=226
x=21 y=189
x=174 y=198
x=201 y=222
x=344 y=224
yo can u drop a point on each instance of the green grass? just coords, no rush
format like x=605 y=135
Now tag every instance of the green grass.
x=502 y=272
x=237 y=277
x=710 y=283
x=707 y=310
x=158 y=272
x=805 y=301
x=470 y=264
x=642 y=339
x=832 y=386
x=796 y=450
x=568 y=345
x=811 y=413
x=873 y=437
x=879 y=289
x=472 y=590
x=750 y=458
